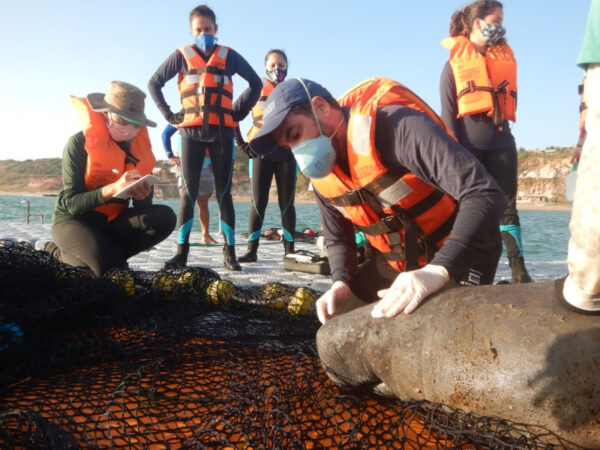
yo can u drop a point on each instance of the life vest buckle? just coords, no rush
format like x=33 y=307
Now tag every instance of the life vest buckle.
x=501 y=89
x=356 y=197
x=393 y=223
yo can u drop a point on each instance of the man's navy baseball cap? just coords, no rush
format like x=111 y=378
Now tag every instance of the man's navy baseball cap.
x=286 y=95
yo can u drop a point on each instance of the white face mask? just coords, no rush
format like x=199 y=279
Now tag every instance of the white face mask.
x=121 y=132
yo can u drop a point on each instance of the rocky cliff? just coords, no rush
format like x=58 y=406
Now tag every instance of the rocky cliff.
x=542 y=176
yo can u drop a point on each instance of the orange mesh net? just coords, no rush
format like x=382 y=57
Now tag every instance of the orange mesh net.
x=129 y=361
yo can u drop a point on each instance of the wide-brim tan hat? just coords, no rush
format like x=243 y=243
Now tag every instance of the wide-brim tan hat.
x=123 y=99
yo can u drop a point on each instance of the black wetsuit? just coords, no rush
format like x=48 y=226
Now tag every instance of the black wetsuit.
x=281 y=164
x=195 y=140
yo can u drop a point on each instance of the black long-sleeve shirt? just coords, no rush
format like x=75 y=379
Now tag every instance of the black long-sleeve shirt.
x=475 y=131
x=277 y=155
x=409 y=141
x=235 y=64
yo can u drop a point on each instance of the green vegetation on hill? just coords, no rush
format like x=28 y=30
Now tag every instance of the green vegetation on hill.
x=530 y=160
x=44 y=175
x=44 y=166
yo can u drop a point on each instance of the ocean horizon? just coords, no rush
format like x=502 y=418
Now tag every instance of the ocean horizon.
x=545 y=231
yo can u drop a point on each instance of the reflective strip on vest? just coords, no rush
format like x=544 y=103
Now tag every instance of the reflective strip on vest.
x=192 y=79
x=394 y=193
x=361 y=134
x=189 y=52
x=222 y=52
x=218 y=79
x=195 y=79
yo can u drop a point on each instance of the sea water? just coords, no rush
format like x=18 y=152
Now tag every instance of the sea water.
x=545 y=233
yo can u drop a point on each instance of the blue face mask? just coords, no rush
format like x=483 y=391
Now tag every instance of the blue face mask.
x=204 y=41
x=316 y=156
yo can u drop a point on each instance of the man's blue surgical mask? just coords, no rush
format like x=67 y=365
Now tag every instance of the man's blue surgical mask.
x=204 y=41
x=316 y=156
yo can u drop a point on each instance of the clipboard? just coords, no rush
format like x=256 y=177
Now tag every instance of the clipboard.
x=125 y=194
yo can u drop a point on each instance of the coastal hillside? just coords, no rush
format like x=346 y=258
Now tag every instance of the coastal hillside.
x=541 y=177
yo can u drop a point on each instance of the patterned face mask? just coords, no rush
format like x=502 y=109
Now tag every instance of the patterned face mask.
x=276 y=75
x=492 y=33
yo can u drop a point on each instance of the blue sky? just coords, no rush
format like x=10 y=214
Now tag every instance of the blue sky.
x=51 y=50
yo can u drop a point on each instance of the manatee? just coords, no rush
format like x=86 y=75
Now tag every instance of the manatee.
x=512 y=351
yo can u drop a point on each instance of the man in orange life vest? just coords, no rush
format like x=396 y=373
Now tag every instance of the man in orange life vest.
x=380 y=160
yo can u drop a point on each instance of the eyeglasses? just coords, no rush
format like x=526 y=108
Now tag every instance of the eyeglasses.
x=120 y=120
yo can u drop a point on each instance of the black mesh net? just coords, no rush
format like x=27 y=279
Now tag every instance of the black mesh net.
x=183 y=358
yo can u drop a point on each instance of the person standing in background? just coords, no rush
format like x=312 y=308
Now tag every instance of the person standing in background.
x=280 y=164
x=206 y=121
x=582 y=286
x=478 y=89
x=206 y=187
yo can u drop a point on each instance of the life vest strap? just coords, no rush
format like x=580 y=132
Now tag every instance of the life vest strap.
x=215 y=108
x=350 y=198
x=368 y=193
x=443 y=230
x=388 y=224
x=471 y=87
x=501 y=89
x=202 y=90
x=424 y=205
x=207 y=69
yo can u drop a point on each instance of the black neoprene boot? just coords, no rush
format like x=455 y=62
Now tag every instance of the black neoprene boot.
x=179 y=261
x=288 y=247
x=229 y=258
x=250 y=255
x=519 y=272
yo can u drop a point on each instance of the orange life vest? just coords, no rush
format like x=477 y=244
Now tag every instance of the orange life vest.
x=104 y=155
x=484 y=83
x=259 y=107
x=402 y=216
x=206 y=92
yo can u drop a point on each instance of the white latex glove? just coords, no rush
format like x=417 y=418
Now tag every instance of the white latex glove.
x=409 y=289
x=321 y=244
x=332 y=302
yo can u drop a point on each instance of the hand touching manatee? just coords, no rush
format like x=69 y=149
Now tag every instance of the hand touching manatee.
x=409 y=289
x=332 y=302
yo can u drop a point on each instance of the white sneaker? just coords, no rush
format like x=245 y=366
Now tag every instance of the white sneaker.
x=578 y=299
